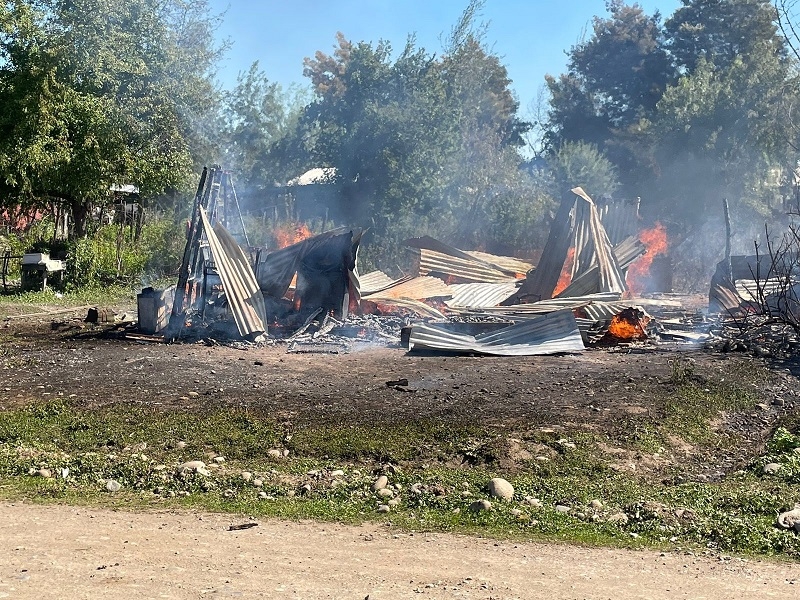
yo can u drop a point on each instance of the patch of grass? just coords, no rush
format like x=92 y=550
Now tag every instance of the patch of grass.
x=59 y=451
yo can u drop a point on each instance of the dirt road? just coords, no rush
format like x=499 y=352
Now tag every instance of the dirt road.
x=72 y=552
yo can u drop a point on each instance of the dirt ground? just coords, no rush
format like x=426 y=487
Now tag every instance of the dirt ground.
x=597 y=390
x=69 y=552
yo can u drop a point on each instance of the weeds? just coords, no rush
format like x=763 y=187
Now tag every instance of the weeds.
x=57 y=450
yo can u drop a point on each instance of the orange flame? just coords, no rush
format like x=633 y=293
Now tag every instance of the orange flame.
x=629 y=325
x=655 y=241
x=290 y=233
x=566 y=273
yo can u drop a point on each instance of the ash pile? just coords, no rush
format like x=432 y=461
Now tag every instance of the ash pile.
x=310 y=296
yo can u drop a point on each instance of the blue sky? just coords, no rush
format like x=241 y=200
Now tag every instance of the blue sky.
x=531 y=36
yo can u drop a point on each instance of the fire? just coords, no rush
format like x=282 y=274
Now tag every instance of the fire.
x=655 y=240
x=290 y=233
x=629 y=324
x=566 y=273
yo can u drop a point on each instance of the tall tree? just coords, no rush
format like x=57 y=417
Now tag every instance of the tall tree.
x=613 y=84
x=718 y=32
x=258 y=115
x=101 y=93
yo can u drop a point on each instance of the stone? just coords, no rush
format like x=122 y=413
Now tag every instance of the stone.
x=393 y=502
x=563 y=509
x=480 y=506
x=789 y=519
x=229 y=493
x=515 y=512
x=193 y=394
x=274 y=453
x=385 y=493
x=337 y=473
x=193 y=466
x=500 y=488
x=534 y=502
x=596 y=504
x=262 y=495
x=305 y=489
x=380 y=483
x=112 y=485
x=384 y=508
x=219 y=459
x=771 y=468
x=257 y=482
x=619 y=517
x=181 y=445
x=46 y=473
x=247 y=475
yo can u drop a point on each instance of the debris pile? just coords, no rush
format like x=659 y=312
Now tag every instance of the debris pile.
x=310 y=296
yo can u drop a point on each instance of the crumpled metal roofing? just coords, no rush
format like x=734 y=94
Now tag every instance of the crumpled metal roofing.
x=238 y=280
x=509 y=264
x=533 y=309
x=432 y=256
x=420 y=308
x=624 y=253
x=374 y=281
x=480 y=295
x=418 y=288
x=553 y=333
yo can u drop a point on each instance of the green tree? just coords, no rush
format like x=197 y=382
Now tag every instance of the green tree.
x=258 y=115
x=101 y=93
x=719 y=32
x=614 y=82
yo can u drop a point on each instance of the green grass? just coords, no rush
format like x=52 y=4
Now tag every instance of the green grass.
x=449 y=464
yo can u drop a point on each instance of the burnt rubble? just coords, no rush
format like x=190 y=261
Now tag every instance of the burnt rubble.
x=310 y=296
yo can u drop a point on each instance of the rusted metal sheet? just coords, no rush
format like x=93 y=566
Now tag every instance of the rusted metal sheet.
x=416 y=306
x=375 y=281
x=553 y=333
x=418 y=288
x=238 y=280
x=434 y=257
x=507 y=264
x=480 y=295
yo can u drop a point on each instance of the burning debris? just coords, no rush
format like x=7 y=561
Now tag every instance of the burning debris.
x=309 y=295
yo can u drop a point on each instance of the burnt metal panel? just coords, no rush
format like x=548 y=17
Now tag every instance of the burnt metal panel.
x=480 y=295
x=434 y=257
x=418 y=288
x=553 y=333
x=238 y=280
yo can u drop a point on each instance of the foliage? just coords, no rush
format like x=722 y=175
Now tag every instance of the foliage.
x=112 y=255
x=101 y=93
x=330 y=468
x=582 y=164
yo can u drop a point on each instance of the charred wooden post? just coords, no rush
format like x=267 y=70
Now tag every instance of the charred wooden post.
x=192 y=237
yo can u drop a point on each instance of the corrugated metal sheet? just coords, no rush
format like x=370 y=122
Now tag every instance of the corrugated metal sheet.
x=625 y=253
x=604 y=311
x=432 y=256
x=416 y=306
x=374 y=281
x=620 y=219
x=509 y=264
x=554 y=333
x=238 y=280
x=534 y=309
x=418 y=288
x=480 y=295
x=430 y=261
